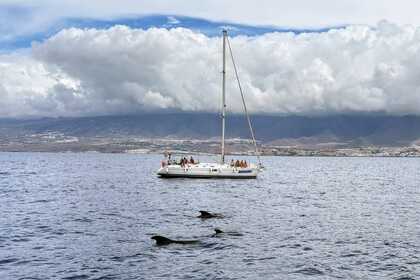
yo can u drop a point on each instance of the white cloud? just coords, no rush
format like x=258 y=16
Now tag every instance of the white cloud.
x=173 y=20
x=123 y=70
x=28 y=88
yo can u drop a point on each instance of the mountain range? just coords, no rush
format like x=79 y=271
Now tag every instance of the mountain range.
x=336 y=131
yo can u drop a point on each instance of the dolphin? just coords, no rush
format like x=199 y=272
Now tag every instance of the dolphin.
x=208 y=215
x=161 y=240
x=218 y=233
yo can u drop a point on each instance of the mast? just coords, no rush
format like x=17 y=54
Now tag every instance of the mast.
x=222 y=159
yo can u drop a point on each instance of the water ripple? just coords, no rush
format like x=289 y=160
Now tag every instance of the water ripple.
x=91 y=216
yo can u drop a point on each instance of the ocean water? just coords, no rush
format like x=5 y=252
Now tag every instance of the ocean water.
x=91 y=216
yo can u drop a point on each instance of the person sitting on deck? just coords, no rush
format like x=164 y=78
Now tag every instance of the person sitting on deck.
x=237 y=164
x=242 y=165
x=191 y=160
x=232 y=163
x=245 y=164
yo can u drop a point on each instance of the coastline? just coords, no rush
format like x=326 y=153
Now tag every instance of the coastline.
x=234 y=147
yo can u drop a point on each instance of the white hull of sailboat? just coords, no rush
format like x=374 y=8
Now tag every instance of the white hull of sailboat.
x=208 y=170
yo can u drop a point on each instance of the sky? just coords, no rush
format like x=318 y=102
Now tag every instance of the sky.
x=85 y=58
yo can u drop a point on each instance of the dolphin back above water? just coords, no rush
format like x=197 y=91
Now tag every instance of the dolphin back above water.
x=161 y=240
x=208 y=215
x=218 y=231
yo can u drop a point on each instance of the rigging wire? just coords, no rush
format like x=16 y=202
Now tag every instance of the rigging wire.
x=243 y=102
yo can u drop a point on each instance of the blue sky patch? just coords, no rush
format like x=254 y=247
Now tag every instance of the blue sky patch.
x=209 y=28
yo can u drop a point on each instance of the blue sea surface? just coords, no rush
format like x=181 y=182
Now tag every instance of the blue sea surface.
x=91 y=216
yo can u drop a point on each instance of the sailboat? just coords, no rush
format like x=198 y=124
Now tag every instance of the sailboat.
x=190 y=169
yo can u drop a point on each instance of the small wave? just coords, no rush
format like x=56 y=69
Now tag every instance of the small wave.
x=258 y=259
x=169 y=215
x=349 y=255
x=214 y=246
x=83 y=220
x=24 y=262
x=20 y=239
x=77 y=277
x=387 y=267
x=9 y=260
x=42 y=201
x=105 y=277
x=30 y=173
x=43 y=228
x=309 y=271
x=354 y=253
x=112 y=214
x=340 y=242
x=123 y=258
x=387 y=257
x=59 y=232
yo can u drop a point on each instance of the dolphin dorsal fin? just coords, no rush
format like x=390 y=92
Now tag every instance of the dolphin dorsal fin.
x=218 y=230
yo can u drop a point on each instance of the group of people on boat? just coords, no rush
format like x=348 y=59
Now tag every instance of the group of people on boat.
x=183 y=161
x=237 y=163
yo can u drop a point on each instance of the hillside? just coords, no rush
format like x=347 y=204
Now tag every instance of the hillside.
x=342 y=131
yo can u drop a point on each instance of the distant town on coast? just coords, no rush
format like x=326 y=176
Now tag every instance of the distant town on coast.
x=182 y=133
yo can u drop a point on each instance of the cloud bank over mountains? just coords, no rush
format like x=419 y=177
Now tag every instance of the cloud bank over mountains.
x=121 y=70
